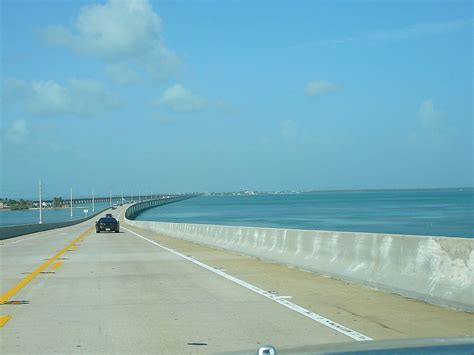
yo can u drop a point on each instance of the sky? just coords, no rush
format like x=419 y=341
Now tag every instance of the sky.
x=179 y=96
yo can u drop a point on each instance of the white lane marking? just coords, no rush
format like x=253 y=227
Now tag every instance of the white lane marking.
x=294 y=307
x=286 y=297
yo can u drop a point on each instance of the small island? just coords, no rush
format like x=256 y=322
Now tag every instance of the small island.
x=21 y=204
x=15 y=205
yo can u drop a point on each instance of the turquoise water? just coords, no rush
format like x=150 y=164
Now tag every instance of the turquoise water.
x=11 y=218
x=445 y=212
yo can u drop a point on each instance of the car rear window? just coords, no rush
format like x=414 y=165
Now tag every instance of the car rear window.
x=107 y=220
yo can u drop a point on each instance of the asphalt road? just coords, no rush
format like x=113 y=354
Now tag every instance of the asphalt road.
x=120 y=293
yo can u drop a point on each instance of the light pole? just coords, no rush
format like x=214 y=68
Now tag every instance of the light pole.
x=40 y=202
x=93 y=202
x=122 y=196
x=71 y=202
x=110 y=197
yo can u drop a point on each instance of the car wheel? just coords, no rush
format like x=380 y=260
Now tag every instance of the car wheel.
x=117 y=231
x=97 y=231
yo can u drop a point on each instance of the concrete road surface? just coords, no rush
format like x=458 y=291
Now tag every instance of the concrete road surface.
x=82 y=292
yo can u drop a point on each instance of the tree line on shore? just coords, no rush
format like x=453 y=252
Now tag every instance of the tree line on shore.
x=21 y=204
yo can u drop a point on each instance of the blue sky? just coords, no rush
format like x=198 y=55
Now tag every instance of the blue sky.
x=219 y=96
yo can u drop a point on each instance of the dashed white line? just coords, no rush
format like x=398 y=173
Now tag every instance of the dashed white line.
x=279 y=299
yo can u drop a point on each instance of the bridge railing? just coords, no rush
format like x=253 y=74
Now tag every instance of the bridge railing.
x=133 y=211
x=434 y=269
x=7 y=232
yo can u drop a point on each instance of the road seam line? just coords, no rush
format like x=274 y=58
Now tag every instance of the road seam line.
x=294 y=307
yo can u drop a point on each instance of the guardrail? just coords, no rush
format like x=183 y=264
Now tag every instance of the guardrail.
x=137 y=208
x=434 y=269
x=15 y=231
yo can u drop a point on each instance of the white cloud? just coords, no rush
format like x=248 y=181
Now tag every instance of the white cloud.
x=320 y=87
x=161 y=63
x=120 y=73
x=428 y=114
x=412 y=31
x=78 y=97
x=119 y=32
x=179 y=99
x=381 y=36
x=116 y=30
x=18 y=132
x=432 y=129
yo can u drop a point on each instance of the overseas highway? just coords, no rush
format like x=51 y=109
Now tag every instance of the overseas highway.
x=71 y=290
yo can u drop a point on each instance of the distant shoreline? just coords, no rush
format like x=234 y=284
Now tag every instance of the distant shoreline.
x=308 y=191
x=44 y=208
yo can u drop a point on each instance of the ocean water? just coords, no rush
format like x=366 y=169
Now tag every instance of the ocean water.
x=440 y=212
x=12 y=218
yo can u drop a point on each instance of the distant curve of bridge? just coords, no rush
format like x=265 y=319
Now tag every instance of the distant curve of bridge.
x=112 y=199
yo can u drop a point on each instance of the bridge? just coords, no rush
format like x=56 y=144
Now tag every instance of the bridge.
x=111 y=199
x=149 y=290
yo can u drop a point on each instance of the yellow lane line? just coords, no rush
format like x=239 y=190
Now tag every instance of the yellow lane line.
x=7 y=295
x=4 y=320
x=56 y=265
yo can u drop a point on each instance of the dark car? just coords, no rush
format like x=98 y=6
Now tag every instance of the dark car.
x=108 y=224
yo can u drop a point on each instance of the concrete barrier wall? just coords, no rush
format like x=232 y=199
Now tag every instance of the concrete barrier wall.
x=15 y=231
x=438 y=270
x=139 y=207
